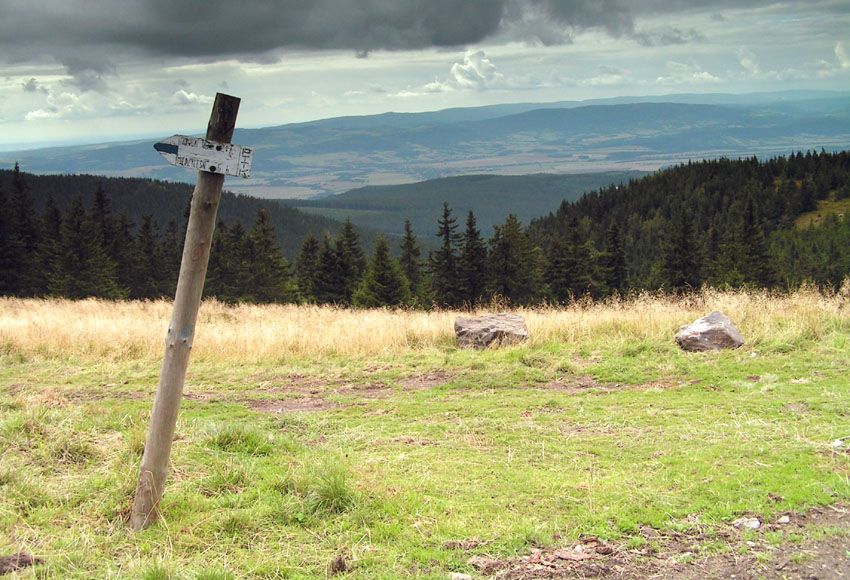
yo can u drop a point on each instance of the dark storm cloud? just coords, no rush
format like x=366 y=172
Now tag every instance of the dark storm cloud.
x=88 y=35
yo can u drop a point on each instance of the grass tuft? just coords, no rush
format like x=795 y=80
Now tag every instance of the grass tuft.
x=238 y=438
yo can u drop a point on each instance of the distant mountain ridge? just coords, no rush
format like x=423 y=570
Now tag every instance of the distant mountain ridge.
x=331 y=156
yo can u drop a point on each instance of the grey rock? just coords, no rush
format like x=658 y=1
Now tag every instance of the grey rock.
x=712 y=332
x=749 y=523
x=490 y=329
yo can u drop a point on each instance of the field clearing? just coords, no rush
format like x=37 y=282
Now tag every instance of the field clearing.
x=317 y=441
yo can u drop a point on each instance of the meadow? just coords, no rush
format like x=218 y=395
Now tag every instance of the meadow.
x=319 y=441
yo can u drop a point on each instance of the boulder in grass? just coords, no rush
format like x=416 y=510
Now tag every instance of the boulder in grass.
x=712 y=332
x=490 y=329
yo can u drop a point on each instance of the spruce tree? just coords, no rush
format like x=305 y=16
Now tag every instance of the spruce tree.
x=218 y=271
x=559 y=270
x=613 y=260
x=270 y=279
x=149 y=273
x=329 y=287
x=352 y=260
x=25 y=232
x=472 y=264
x=124 y=253
x=102 y=216
x=580 y=247
x=569 y=269
x=172 y=249
x=237 y=285
x=757 y=266
x=713 y=258
x=83 y=268
x=11 y=249
x=24 y=211
x=442 y=263
x=306 y=267
x=49 y=244
x=383 y=284
x=681 y=261
x=514 y=264
x=411 y=265
x=115 y=233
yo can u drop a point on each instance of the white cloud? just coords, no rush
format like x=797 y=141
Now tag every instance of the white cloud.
x=686 y=74
x=608 y=76
x=49 y=113
x=748 y=60
x=476 y=73
x=185 y=98
x=61 y=106
x=842 y=53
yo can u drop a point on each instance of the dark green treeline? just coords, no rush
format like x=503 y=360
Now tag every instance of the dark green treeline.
x=725 y=223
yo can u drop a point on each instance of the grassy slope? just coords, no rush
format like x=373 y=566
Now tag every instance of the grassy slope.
x=825 y=208
x=597 y=426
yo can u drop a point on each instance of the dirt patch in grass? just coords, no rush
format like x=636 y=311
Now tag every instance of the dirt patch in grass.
x=317 y=386
x=202 y=397
x=15 y=562
x=55 y=397
x=577 y=384
x=797 y=408
x=293 y=383
x=292 y=405
x=368 y=390
x=413 y=441
x=425 y=381
x=810 y=545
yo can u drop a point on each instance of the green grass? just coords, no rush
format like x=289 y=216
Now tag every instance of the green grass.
x=526 y=446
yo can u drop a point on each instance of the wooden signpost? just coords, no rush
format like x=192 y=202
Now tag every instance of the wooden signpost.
x=205 y=155
x=221 y=158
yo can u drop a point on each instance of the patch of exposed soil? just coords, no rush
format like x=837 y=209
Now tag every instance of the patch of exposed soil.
x=291 y=405
x=798 y=408
x=574 y=385
x=425 y=381
x=55 y=397
x=368 y=391
x=413 y=441
x=293 y=383
x=203 y=397
x=15 y=562
x=729 y=551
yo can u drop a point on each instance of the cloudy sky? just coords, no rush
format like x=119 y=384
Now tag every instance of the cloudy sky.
x=98 y=70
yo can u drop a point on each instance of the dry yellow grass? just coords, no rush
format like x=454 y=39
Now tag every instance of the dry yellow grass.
x=108 y=330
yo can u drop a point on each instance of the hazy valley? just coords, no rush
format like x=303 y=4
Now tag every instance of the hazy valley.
x=331 y=156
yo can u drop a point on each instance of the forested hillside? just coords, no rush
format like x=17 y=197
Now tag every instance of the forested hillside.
x=165 y=201
x=718 y=223
x=81 y=236
x=715 y=222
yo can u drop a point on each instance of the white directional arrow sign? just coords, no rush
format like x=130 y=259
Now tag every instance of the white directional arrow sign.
x=203 y=155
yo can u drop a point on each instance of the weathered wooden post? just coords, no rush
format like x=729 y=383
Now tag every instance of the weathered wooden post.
x=190 y=284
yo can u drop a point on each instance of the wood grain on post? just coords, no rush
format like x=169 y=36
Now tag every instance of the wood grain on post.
x=181 y=331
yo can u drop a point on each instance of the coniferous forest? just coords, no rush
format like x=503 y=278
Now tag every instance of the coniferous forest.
x=773 y=224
